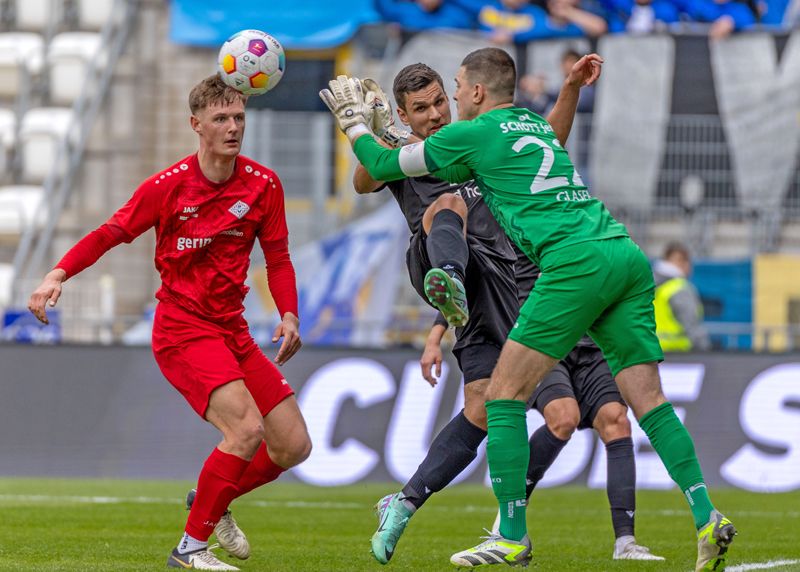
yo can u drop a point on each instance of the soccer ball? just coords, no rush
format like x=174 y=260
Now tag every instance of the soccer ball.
x=252 y=62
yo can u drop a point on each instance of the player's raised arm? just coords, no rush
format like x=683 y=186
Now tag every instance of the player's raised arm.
x=345 y=99
x=585 y=72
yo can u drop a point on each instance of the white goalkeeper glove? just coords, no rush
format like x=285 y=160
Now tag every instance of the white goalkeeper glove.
x=382 y=123
x=345 y=99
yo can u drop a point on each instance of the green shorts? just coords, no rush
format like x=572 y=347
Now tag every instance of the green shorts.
x=603 y=288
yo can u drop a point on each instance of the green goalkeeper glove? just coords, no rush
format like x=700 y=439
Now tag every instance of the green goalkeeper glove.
x=345 y=99
x=382 y=123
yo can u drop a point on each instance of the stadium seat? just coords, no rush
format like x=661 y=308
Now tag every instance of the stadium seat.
x=20 y=206
x=68 y=56
x=38 y=15
x=93 y=14
x=6 y=279
x=8 y=138
x=21 y=58
x=40 y=135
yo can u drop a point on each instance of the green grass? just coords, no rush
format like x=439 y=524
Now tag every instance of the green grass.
x=52 y=525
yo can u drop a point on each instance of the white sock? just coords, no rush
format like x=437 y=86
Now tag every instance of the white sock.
x=191 y=544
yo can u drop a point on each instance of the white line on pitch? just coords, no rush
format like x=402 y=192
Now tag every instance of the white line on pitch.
x=488 y=507
x=762 y=565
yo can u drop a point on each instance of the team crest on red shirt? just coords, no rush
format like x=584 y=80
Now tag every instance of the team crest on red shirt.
x=239 y=209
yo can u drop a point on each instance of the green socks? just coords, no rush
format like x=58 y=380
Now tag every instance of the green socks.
x=508 y=453
x=674 y=445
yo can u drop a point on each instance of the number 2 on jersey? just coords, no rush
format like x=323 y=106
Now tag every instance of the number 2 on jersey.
x=541 y=182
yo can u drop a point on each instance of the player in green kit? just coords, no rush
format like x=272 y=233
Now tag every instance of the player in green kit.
x=595 y=279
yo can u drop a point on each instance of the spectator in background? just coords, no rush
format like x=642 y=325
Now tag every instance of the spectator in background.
x=532 y=94
x=418 y=15
x=520 y=21
x=725 y=16
x=644 y=16
x=586 y=96
x=587 y=16
x=678 y=309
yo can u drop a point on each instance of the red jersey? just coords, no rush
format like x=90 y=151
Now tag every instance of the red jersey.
x=205 y=233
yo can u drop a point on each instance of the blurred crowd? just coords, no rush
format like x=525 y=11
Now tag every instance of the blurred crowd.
x=521 y=21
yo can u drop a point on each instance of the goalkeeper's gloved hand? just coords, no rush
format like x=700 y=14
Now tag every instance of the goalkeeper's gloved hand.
x=345 y=99
x=382 y=123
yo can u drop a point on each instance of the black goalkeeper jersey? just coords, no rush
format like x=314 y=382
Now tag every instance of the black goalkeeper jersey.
x=416 y=194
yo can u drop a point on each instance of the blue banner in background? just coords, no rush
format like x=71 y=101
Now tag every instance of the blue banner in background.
x=20 y=326
x=311 y=24
x=726 y=289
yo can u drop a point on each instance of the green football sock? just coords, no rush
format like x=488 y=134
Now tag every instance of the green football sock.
x=674 y=445
x=507 y=452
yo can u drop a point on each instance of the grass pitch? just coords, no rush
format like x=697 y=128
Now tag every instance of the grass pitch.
x=78 y=525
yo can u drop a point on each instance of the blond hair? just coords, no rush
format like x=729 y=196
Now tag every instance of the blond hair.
x=212 y=90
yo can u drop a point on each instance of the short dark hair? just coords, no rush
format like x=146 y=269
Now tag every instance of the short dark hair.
x=413 y=77
x=493 y=68
x=212 y=90
x=676 y=247
x=571 y=54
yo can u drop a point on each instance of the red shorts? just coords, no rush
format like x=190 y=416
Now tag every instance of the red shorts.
x=197 y=356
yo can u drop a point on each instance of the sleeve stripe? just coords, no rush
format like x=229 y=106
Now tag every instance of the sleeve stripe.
x=412 y=160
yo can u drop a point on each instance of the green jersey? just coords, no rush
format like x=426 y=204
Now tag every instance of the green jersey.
x=525 y=175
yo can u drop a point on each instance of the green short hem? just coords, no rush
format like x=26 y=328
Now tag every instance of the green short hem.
x=616 y=370
x=512 y=337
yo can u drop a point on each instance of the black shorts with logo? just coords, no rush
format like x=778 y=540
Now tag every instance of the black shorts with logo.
x=492 y=300
x=583 y=375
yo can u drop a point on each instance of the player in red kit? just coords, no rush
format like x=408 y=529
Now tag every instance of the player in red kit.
x=208 y=210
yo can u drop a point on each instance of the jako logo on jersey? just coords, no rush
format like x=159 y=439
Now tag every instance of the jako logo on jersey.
x=239 y=209
x=190 y=211
x=185 y=243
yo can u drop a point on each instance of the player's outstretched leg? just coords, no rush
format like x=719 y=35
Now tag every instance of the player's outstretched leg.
x=202 y=559
x=229 y=536
x=495 y=550
x=713 y=540
x=393 y=515
x=448 y=253
x=453 y=449
x=447 y=294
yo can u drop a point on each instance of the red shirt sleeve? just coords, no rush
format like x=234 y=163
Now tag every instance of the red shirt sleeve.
x=280 y=275
x=273 y=237
x=136 y=216
x=273 y=226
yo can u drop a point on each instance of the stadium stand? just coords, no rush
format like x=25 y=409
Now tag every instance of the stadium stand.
x=42 y=133
x=8 y=136
x=21 y=62
x=68 y=57
x=93 y=14
x=21 y=207
x=42 y=16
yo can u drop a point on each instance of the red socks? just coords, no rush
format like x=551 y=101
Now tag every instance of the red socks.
x=217 y=486
x=262 y=470
x=225 y=477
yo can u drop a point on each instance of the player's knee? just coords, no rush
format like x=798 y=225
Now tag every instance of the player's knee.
x=562 y=419
x=612 y=422
x=563 y=427
x=290 y=453
x=452 y=202
x=246 y=437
